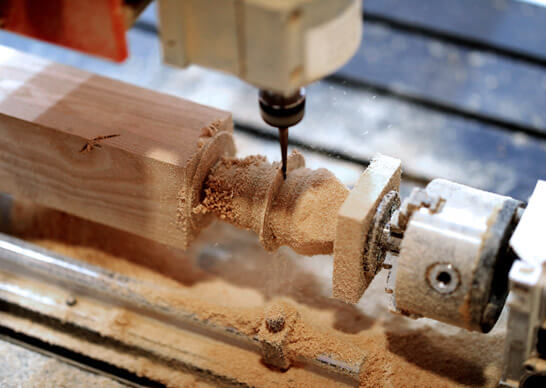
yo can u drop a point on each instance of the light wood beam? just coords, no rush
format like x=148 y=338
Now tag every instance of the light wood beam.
x=104 y=150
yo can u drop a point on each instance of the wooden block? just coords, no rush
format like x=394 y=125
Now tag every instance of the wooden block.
x=106 y=151
x=353 y=224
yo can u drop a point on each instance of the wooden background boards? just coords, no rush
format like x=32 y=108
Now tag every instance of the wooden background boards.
x=508 y=26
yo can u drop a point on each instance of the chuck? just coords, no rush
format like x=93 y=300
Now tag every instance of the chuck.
x=282 y=112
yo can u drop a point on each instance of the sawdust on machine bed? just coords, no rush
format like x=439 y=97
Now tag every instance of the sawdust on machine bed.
x=228 y=267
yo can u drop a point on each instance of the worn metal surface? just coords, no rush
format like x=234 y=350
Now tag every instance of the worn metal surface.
x=100 y=288
x=453 y=257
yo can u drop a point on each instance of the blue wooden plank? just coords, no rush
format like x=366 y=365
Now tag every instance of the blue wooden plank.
x=507 y=24
x=479 y=83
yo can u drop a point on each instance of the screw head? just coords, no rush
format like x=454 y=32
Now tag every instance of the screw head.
x=443 y=278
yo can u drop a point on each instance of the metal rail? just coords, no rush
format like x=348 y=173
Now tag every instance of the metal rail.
x=24 y=259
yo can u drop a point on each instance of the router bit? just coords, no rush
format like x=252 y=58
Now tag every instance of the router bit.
x=282 y=112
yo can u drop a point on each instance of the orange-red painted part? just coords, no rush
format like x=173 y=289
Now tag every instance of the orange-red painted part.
x=94 y=27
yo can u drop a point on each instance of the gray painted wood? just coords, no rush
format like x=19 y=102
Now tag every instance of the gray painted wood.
x=508 y=24
x=440 y=73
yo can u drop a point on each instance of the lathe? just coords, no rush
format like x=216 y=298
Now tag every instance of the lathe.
x=140 y=175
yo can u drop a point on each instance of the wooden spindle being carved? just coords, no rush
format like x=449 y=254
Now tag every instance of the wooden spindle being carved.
x=299 y=212
x=161 y=168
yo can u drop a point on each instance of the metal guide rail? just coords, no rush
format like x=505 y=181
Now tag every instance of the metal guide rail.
x=65 y=295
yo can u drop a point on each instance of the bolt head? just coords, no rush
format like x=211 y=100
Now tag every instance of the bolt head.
x=443 y=278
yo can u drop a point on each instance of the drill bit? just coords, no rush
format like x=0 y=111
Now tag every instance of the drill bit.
x=282 y=112
x=283 y=140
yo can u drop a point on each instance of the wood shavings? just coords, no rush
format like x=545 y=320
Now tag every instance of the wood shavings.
x=395 y=352
x=299 y=212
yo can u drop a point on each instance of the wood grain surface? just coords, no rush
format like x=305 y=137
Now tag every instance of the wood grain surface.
x=101 y=149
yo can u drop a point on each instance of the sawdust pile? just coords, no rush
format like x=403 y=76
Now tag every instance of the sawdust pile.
x=299 y=212
x=231 y=180
x=397 y=352
x=425 y=358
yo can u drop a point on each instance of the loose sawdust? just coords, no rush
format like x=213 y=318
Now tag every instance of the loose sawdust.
x=208 y=132
x=299 y=212
x=234 y=187
x=397 y=353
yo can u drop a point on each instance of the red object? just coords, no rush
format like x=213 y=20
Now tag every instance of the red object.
x=94 y=27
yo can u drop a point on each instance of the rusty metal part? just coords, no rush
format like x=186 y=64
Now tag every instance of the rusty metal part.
x=37 y=281
x=378 y=241
x=454 y=257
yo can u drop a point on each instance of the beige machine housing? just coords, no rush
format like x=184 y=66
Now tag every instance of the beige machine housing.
x=275 y=45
